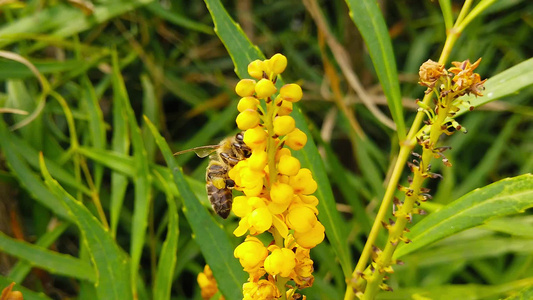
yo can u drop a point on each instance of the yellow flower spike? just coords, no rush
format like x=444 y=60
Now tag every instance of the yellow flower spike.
x=303 y=182
x=260 y=219
x=258 y=160
x=264 y=88
x=207 y=283
x=256 y=138
x=248 y=119
x=301 y=219
x=241 y=207
x=312 y=237
x=288 y=165
x=256 y=69
x=277 y=63
x=251 y=254
x=284 y=125
x=247 y=103
x=245 y=87
x=281 y=193
x=296 y=140
x=291 y=92
x=280 y=261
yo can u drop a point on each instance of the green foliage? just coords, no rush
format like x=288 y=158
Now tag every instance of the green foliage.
x=95 y=203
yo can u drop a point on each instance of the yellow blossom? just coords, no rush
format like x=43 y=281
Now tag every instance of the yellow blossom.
x=207 y=283
x=277 y=63
x=264 y=88
x=248 y=119
x=261 y=290
x=280 y=261
x=283 y=125
x=251 y=254
x=281 y=192
x=288 y=165
x=247 y=103
x=312 y=237
x=256 y=69
x=296 y=140
x=291 y=92
x=256 y=138
x=301 y=218
x=303 y=182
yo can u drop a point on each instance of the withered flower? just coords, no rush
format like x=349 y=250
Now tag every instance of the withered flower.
x=465 y=77
x=430 y=72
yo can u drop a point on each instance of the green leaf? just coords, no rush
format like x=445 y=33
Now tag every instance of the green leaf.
x=242 y=51
x=210 y=237
x=505 y=197
x=51 y=261
x=26 y=177
x=368 y=18
x=157 y=9
x=22 y=268
x=141 y=174
x=111 y=264
x=167 y=258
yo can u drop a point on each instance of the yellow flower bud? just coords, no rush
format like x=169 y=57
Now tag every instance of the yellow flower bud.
x=248 y=119
x=245 y=87
x=291 y=92
x=281 y=193
x=278 y=208
x=280 y=261
x=241 y=207
x=283 y=125
x=258 y=160
x=301 y=218
x=251 y=253
x=285 y=108
x=277 y=63
x=205 y=280
x=253 y=191
x=296 y=140
x=281 y=152
x=247 y=103
x=264 y=88
x=312 y=237
x=288 y=165
x=256 y=68
x=303 y=182
x=262 y=289
x=256 y=138
x=260 y=220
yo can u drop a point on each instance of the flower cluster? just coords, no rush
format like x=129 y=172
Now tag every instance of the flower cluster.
x=207 y=283
x=277 y=191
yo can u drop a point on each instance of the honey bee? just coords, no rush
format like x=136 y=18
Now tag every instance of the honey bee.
x=222 y=158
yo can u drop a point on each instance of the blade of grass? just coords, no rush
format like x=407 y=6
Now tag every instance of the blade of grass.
x=141 y=177
x=22 y=268
x=212 y=240
x=27 y=177
x=167 y=258
x=54 y=262
x=369 y=20
x=242 y=52
x=112 y=280
x=507 y=196
x=179 y=20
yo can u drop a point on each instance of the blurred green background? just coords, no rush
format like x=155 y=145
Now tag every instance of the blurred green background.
x=178 y=73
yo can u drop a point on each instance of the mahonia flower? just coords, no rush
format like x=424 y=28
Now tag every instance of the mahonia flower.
x=430 y=72
x=277 y=192
x=207 y=283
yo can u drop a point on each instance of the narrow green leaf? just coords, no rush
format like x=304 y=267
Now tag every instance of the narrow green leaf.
x=26 y=177
x=242 y=51
x=51 y=261
x=446 y=7
x=167 y=258
x=505 y=197
x=141 y=177
x=22 y=268
x=96 y=124
x=112 y=280
x=368 y=18
x=504 y=84
x=157 y=9
x=28 y=294
x=212 y=240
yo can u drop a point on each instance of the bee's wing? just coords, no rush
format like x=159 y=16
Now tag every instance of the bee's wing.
x=202 y=151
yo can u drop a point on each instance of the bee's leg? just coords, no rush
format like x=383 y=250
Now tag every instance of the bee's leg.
x=230 y=183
